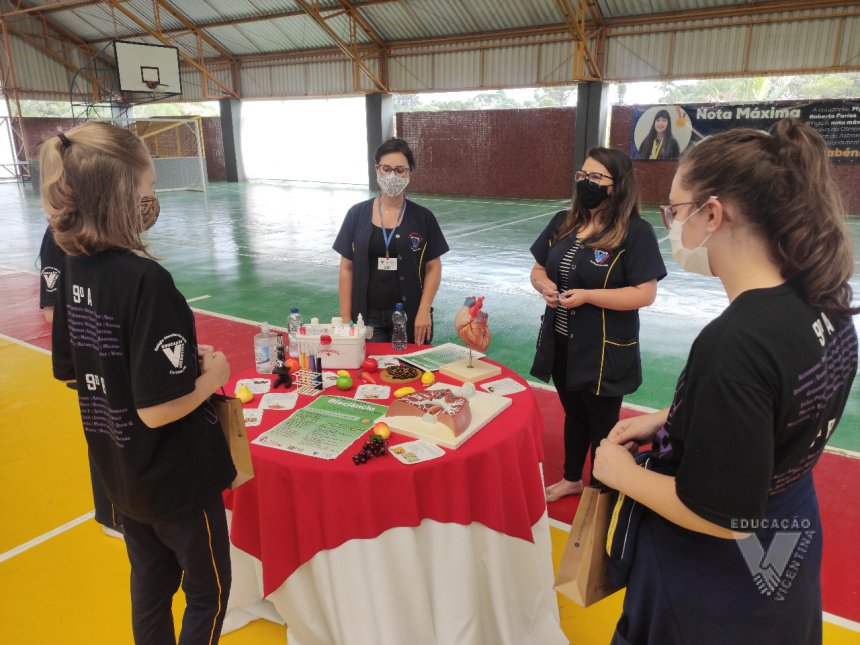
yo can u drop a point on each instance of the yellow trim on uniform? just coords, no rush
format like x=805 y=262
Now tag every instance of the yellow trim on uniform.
x=613 y=522
x=217 y=578
x=420 y=262
x=609 y=342
x=603 y=318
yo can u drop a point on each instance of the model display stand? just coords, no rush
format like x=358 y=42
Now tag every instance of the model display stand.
x=484 y=408
x=471 y=371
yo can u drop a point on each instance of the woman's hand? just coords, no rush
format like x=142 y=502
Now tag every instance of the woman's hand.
x=634 y=431
x=550 y=294
x=573 y=298
x=423 y=322
x=611 y=463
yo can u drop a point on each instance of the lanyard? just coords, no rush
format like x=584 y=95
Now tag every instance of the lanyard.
x=387 y=237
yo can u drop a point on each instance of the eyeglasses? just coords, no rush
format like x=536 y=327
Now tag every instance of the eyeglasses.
x=670 y=211
x=400 y=171
x=594 y=177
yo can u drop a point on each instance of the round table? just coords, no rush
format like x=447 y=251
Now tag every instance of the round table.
x=453 y=550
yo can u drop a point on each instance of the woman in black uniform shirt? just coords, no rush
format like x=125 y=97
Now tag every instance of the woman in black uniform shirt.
x=126 y=336
x=763 y=389
x=391 y=252
x=596 y=265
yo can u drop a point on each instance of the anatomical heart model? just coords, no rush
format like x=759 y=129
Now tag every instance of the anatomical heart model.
x=472 y=325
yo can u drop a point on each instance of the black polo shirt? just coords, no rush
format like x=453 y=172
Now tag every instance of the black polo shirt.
x=126 y=335
x=603 y=344
x=417 y=240
x=51 y=260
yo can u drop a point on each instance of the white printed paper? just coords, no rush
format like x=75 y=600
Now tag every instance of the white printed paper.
x=278 y=401
x=372 y=392
x=256 y=385
x=504 y=387
x=384 y=361
x=252 y=417
x=414 y=452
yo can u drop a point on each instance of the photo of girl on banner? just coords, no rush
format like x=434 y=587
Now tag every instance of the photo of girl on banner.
x=662 y=132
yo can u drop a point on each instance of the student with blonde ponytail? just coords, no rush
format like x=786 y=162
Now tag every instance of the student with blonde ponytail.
x=728 y=548
x=126 y=336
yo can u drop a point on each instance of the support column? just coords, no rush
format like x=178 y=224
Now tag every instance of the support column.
x=592 y=112
x=231 y=133
x=379 y=110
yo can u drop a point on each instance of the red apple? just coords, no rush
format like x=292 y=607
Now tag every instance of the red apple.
x=369 y=365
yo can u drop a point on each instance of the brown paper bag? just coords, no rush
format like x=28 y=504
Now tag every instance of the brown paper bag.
x=229 y=410
x=582 y=570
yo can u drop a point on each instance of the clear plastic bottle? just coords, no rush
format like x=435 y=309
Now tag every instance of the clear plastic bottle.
x=294 y=323
x=398 y=332
x=264 y=350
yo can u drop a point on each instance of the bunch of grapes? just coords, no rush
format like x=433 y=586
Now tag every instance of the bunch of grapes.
x=375 y=446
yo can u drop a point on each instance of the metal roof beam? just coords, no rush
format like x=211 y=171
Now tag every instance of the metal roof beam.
x=199 y=65
x=351 y=49
x=49 y=7
x=229 y=22
x=575 y=17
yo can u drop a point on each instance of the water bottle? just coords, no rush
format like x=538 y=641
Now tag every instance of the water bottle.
x=398 y=333
x=294 y=323
x=264 y=350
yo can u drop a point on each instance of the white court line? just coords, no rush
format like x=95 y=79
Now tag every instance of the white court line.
x=18 y=550
x=841 y=622
x=197 y=298
x=24 y=343
x=502 y=225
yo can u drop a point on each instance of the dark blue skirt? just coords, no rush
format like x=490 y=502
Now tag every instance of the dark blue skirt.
x=692 y=589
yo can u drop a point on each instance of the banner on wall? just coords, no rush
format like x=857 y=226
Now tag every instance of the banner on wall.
x=665 y=131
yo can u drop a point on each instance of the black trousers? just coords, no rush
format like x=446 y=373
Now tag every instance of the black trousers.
x=193 y=548
x=588 y=418
x=106 y=513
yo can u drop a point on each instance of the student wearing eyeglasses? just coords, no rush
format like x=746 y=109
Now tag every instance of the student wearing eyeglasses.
x=596 y=264
x=391 y=252
x=726 y=544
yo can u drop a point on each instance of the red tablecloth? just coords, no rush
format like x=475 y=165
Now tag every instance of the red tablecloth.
x=297 y=505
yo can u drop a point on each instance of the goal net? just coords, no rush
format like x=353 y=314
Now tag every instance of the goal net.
x=176 y=147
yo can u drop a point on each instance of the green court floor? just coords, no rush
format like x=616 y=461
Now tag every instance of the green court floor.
x=254 y=250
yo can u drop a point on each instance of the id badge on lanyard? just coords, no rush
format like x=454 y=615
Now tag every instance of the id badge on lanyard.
x=388 y=263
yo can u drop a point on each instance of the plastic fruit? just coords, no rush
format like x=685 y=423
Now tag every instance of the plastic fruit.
x=381 y=429
x=369 y=365
x=403 y=391
x=428 y=378
x=344 y=382
x=244 y=393
x=343 y=373
x=367 y=377
x=293 y=364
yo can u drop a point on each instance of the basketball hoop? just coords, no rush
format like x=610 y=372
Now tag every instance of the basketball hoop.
x=151 y=84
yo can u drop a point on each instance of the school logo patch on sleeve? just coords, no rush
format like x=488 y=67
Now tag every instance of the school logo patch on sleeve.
x=415 y=240
x=50 y=275
x=173 y=347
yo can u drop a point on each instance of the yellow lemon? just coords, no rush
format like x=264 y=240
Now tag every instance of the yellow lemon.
x=428 y=378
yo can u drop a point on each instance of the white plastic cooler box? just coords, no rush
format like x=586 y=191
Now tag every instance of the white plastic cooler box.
x=342 y=353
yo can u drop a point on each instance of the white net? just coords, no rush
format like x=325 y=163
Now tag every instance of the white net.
x=176 y=146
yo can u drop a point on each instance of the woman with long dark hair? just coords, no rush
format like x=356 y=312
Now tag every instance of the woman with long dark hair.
x=728 y=548
x=660 y=144
x=596 y=264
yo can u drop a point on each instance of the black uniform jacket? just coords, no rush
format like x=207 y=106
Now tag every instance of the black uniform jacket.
x=417 y=240
x=603 y=344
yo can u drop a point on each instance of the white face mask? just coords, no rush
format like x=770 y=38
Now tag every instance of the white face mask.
x=391 y=184
x=691 y=260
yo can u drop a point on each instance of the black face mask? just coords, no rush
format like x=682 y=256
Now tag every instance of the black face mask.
x=590 y=195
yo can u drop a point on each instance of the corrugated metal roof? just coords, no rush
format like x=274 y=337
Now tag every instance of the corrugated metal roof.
x=471 y=44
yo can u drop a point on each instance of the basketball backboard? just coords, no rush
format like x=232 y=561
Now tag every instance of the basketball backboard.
x=147 y=68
